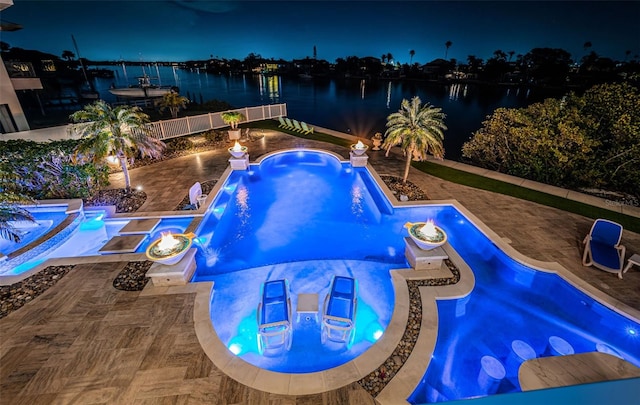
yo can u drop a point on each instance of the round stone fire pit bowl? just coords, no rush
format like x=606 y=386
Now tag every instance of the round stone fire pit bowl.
x=359 y=148
x=238 y=152
x=426 y=242
x=172 y=254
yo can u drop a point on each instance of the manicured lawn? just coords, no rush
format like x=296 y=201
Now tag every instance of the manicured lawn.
x=484 y=183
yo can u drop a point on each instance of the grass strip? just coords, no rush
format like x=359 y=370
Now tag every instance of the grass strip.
x=497 y=186
x=485 y=183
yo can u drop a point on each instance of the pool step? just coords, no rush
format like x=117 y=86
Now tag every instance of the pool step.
x=123 y=244
x=140 y=226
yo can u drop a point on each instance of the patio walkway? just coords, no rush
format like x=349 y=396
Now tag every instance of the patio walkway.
x=82 y=341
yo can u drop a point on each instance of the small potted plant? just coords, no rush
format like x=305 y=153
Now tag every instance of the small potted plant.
x=233 y=118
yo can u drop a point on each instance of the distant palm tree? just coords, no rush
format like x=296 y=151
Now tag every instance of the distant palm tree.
x=383 y=57
x=173 y=102
x=447 y=45
x=500 y=55
x=418 y=129
x=389 y=57
x=118 y=132
x=68 y=55
x=511 y=53
x=411 y=54
x=10 y=211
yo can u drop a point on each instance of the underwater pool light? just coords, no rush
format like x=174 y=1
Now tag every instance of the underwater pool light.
x=235 y=348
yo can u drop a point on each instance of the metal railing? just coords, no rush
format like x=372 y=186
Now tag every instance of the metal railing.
x=164 y=129
x=200 y=123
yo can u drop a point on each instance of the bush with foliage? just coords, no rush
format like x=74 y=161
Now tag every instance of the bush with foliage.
x=178 y=144
x=214 y=136
x=580 y=141
x=47 y=170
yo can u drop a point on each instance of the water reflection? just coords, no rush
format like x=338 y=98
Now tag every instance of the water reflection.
x=455 y=89
x=356 y=106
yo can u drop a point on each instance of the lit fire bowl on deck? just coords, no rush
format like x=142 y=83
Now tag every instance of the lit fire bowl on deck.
x=426 y=235
x=170 y=248
x=238 y=151
x=359 y=148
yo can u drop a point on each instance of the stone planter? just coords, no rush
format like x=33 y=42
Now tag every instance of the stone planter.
x=234 y=134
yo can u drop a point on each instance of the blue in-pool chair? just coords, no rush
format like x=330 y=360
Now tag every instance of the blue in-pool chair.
x=339 y=310
x=274 y=316
x=602 y=247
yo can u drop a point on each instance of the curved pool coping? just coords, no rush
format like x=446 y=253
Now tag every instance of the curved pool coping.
x=404 y=382
x=62 y=231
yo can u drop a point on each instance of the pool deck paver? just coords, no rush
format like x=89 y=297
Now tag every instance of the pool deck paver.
x=82 y=341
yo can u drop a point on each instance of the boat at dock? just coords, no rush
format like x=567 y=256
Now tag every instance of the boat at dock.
x=144 y=89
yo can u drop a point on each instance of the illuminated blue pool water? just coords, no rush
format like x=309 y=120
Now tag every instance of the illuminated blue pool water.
x=305 y=216
x=82 y=237
x=45 y=220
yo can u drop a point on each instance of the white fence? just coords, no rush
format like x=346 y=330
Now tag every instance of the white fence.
x=163 y=129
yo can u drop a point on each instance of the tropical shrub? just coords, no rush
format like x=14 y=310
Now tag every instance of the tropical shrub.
x=214 y=136
x=178 y=144
x=47 y=170
x=589 y=141
x=10 y=209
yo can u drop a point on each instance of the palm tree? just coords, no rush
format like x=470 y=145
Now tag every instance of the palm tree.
x=418 y=129
x=389 y=57
x=173 y=102
x=411 y=54
x=118 y=132
x=232 y=118
x=68 y=55
x=511 y=53
x=447 y=45
x=9 y=209
x=383 y=57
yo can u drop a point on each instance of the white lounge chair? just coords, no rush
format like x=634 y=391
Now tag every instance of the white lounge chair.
x=289 y=124
x=282 y=123
x=297 y=126
x=602 y=247
x=339 y=310
x=195 y=195
x=305 y=128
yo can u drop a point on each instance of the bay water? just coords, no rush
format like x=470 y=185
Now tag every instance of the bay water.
x=355 y=106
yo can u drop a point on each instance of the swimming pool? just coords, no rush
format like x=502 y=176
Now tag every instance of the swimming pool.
x=307 y=207
x=46 y=218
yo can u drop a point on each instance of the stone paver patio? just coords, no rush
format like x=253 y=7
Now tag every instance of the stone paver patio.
x=82 y=341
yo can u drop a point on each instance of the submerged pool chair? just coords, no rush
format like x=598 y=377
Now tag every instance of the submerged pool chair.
x=339 y=310
x=274 y=316
x=602 y=247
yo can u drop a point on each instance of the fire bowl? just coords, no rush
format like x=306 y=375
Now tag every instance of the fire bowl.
x=238 y=153
x=359 y=150
x=172 y=255
x=425 y=242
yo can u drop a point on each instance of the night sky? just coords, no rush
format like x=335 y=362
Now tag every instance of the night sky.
x=145 y=30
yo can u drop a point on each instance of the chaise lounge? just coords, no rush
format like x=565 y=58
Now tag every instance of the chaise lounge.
x=339 y=310
x=274 y=316
x=602 y=247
